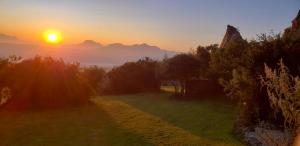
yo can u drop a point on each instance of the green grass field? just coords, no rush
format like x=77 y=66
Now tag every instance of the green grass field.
x=69 y=127
x=140 y=119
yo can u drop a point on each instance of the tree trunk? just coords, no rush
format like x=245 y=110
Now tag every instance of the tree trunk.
x=182 y=89
x=176 y=91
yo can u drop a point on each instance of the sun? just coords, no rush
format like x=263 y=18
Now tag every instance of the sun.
x=52 y=36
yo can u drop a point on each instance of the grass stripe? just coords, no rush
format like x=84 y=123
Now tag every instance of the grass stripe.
x=150 y=127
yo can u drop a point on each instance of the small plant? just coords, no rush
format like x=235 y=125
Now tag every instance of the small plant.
x=5 y=95
x=284 y=93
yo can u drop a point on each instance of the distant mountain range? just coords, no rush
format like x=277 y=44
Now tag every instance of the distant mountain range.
x=7 y=38
x=88 y=52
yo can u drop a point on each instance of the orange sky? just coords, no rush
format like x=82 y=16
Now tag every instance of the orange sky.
x=170 y=24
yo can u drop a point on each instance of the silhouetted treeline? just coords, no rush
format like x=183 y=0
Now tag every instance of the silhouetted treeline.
x=43 y=83
x=183 y=70
x=94 y=75
x=132 y=77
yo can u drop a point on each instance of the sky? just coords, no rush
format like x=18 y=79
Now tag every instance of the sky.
x=177 y=25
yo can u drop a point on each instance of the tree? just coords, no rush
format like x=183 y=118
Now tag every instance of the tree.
x=43 y=82
x=238 y=69
x=133 y=77
x=203 y=55
x=224 y=60
x=94 y=76
x=182 y=68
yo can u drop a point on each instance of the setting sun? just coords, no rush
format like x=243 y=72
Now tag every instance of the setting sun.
x=52 y=36
x=150 y=72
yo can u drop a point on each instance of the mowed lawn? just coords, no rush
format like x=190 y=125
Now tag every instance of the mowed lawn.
x=139 y=119
x=84 y=126
x=211 y=120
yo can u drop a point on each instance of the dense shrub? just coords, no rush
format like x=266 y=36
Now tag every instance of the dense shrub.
x=238 y=68
x=45 y=83
x=133 y=77
x=94 y=75
x=224 y=60
x=5 y=95
x=283 y=91
x=203 y=89
x=180 y=69
x=203 y=55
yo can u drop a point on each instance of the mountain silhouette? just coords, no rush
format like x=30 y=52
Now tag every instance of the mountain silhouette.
x=89 y=52
x=8 y=38
x=91 y=43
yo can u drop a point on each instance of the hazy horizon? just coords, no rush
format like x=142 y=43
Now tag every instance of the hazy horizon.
x=171 y=25
x=86 y=53
x=150 y=72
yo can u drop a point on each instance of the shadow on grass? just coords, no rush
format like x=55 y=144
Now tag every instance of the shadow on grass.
x=78 y=126
x=152 y=128
x=210 y=119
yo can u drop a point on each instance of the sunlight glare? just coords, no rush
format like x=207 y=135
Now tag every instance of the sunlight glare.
x=52 y=36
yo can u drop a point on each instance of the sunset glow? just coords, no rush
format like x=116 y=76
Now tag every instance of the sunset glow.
x=52 y=36
x=150 y=72
x=171 y=25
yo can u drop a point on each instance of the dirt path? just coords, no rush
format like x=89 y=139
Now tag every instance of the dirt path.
x=152 y=128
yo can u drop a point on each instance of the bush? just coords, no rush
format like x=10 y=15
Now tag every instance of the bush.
x=5 y=95
x=180 y=69
x=46 y=83
x=133 y=77
x=94 y=76
x=283 y=91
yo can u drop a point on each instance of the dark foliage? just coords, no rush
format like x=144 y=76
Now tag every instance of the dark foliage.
x=203 y=55
x=238 y=67
x=40 y=83
x=181 y=68
x=133 y=77
x=94 y=76
x=203 y=88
